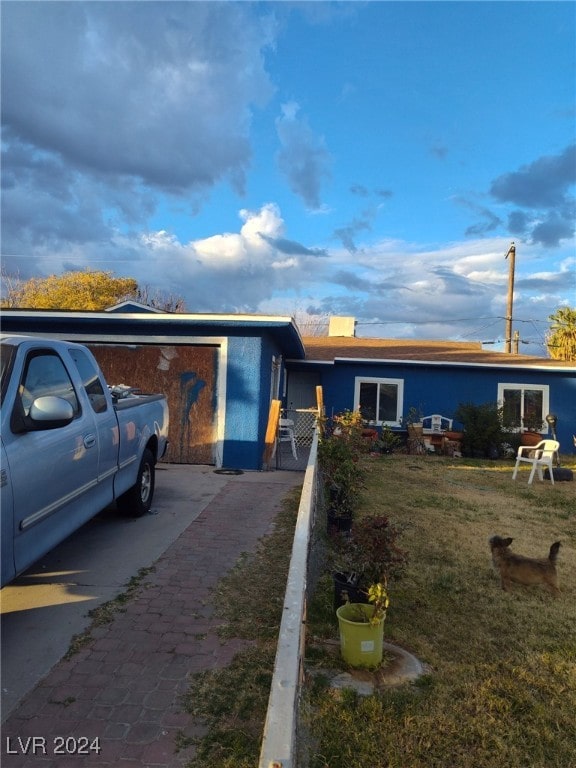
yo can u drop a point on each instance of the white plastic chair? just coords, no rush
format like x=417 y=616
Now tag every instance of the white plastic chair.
x=434 y=427
x=436 y=423
x=542 y=456
x=286 y=434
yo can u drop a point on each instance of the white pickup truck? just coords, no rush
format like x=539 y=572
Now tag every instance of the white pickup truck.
x=69 y=446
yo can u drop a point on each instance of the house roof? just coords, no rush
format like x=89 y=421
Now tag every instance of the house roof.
x=131 y=317
x=132 y=306
x=334 y=348
x=152 y=327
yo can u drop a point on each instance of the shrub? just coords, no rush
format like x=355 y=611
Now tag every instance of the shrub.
x=371 y=553
x=339 y=451
x=483 y=431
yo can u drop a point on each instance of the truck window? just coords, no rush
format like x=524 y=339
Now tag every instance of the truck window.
x=90 y=379
x=44 y=375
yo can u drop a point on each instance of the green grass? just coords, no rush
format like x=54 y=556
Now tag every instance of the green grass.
x=501 y=686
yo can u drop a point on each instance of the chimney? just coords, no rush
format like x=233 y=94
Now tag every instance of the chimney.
x=342 y=326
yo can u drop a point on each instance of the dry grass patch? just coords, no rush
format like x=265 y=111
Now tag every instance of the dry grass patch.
x=502 y=685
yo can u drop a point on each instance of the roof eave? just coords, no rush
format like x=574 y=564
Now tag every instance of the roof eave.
x=453 y=363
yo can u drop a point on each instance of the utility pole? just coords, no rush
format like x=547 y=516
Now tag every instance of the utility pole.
x=510 y=300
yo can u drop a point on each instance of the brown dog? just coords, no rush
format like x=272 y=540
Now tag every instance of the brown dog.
x=524 y=570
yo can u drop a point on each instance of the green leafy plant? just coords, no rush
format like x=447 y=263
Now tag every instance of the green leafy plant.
x=483 y=429
x=348 y=423
x=414 y=416
x=533 y=423
x=387 y=442
x=339 y=452
x=379 y=599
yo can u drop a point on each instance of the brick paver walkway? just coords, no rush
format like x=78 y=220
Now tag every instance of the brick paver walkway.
x=122 y=691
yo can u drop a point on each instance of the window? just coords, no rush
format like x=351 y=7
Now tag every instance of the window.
x=380 y=401
x=90 y=380
x=45 y=374
x=525 y=406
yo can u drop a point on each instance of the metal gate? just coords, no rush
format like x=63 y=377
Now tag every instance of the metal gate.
x=294 y=454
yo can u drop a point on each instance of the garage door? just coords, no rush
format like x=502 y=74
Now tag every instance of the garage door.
x=186 y=375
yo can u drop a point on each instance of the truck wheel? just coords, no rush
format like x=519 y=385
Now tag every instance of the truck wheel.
x=138 y=499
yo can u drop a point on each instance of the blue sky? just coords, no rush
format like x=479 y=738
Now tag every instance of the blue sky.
x=369 y=159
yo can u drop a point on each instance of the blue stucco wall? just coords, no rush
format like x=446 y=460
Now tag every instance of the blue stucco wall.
x=439 y=389
x=248 y=384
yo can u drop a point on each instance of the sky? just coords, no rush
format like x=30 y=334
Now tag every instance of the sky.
x=365 y=159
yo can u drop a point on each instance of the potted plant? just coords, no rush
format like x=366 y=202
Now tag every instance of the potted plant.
x=532 y=426
x=370 y=555
x=415 y=428
x=387 y=441
x=361 y=628
x=413 y=421
x=456 y=433
x=338 y=458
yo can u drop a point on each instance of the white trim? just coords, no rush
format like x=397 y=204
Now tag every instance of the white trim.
x=445 y=363
x=529 y=366
x=544 y=388
x=279 y=738
x=114 y=309
x=309 y=362
x=398 y=383
x=153 y=316
x=221 y=389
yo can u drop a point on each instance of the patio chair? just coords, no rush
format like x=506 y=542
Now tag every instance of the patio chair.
x=436 y=423
x=541 y=455
x=286 y=434
x=434 y=427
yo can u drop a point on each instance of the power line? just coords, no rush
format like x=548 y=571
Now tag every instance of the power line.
x=451 y=321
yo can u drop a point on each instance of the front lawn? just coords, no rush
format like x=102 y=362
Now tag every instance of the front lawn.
x=500 y=687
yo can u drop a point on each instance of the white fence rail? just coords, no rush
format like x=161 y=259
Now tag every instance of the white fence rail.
x=279 y=739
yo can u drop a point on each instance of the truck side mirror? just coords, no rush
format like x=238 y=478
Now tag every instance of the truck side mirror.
x=48 y=412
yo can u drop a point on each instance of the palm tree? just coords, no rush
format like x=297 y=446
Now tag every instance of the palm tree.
x=561 y=338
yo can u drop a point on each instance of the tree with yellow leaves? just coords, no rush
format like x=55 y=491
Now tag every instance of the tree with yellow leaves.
x=85 y=290
x=82 y=291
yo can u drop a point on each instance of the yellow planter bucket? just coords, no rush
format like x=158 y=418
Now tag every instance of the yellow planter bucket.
x=361 y=643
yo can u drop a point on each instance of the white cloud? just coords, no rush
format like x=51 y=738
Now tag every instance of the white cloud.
x=393 y=288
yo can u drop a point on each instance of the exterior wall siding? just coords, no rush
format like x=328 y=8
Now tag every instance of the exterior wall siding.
x=440 y=388
x=242 y=401
x=248 y=399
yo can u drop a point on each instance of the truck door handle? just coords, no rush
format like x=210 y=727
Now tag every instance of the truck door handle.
x=89 y=441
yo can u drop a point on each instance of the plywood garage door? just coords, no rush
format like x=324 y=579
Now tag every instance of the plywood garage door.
x=186 y=375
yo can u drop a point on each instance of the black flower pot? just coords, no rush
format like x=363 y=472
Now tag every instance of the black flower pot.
x=338 y=522
x=345 y=585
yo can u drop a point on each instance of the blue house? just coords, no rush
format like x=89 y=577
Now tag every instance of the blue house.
x=386 y=377
x=221 y=372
